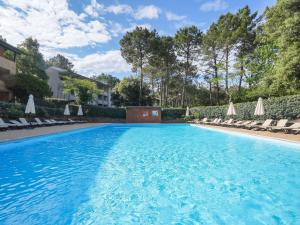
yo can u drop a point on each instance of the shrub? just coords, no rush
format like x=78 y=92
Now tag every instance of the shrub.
x=11 y=110
x=15 y=112
x=172 y=113
x=275 y=108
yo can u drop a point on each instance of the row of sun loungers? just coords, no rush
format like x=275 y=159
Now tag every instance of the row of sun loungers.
x=23 y=123
x=281 y=125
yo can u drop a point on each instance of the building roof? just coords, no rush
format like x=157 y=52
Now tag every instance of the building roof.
x=79 y=76
x=9 y=47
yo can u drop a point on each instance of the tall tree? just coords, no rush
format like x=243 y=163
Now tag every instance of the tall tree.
x=85 y=91
x=187 y=43
x=136 y=49
x=31 y=77
x=128 y=93
x=227 y=26
x=246 y=34
x=283 y=30
x=108 y=79
x=163 y=64
x=61 y=62
x=211 y=55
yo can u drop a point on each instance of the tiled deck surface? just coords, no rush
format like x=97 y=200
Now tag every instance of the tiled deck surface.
x=24 y=133
x=277 y=135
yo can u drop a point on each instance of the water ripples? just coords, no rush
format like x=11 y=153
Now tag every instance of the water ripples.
x=151 y=174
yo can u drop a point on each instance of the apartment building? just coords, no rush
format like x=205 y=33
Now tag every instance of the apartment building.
x=8 y=55
x=56 y=84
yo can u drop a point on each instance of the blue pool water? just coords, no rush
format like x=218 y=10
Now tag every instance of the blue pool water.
x=149 y=174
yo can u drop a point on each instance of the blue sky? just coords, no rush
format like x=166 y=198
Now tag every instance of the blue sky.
x=88 y=32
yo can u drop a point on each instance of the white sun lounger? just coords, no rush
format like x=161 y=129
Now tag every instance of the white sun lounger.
x=280 y=124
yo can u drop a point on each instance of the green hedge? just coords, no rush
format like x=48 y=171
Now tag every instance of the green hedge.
x=172 y=113
x=275 y=108
x=11 y=110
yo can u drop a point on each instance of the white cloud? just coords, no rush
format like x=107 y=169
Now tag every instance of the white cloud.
x=117 y=29
x=147 y=12
x=215 y=5
x=108 y=62
x=52 y=23
x=174 y=17
x=119 y=9
x=93 y=8
x=58 y=29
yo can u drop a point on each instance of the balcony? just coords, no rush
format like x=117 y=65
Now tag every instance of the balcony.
x=7 y=65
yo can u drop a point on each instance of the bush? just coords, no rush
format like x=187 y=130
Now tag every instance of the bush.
x=275 y=108
x=11 y=110
x=172 y=113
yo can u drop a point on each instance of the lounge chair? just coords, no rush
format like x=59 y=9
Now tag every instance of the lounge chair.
x=40 y=123
x=227 y=122
x=218 y=122
x=212 y=122
x=264 y=126
x=296 y=131
x=73 y=121
x=26 y=123
x=19 y=124
x=50 y=123
x=4 y=124
x=251 y=125
x=58 y=122
x=241 y=124
x=279 y=126
x=293 y=128
x=203 y=121
x=236 y=123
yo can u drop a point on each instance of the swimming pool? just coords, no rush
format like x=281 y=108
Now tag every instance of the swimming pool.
x=149 y=174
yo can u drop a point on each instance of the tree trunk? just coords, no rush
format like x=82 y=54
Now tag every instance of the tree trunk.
x=226 y=69
x=210 y=93
x=217 y=82
x=141 y=85
x=166 y=94
x=161 y=92
x=182 y=94
x=241 y=77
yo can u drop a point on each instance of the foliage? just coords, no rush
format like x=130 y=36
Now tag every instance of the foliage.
x=27 y=84
x=161 y=67
x=136 y=49
x=11 y=110
x=85 y=91
x=172 y=113
x=283 y=30
x=275 y=108
x=31 y=61
x=187 y=43
x=108 y=79
x=61 y=62
x=31 y=77
x=128 y=93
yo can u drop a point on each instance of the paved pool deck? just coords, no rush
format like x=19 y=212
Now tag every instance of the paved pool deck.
x=268 y=134
x=24 y=133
